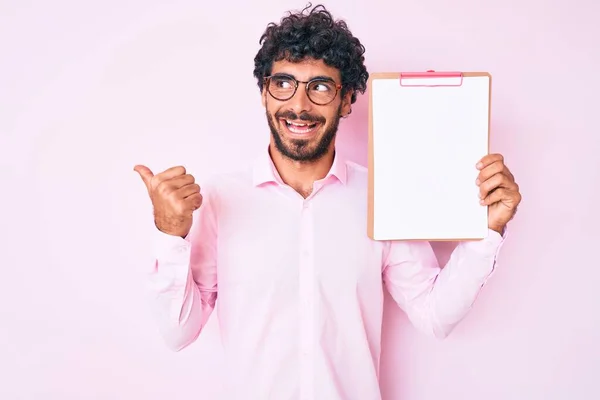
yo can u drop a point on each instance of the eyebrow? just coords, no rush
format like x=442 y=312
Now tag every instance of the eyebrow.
x=322 y=77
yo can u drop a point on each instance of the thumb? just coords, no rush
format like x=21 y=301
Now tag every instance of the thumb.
x=145 y=174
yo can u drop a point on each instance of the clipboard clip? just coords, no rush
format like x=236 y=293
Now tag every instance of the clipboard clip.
x=431 y=78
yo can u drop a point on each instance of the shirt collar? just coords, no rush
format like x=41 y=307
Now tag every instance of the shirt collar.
x=264 y=170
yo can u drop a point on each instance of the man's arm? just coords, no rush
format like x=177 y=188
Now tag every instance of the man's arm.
x=434 y=299
x=183 y=282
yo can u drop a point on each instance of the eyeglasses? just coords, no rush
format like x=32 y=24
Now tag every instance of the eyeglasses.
x=320 y=91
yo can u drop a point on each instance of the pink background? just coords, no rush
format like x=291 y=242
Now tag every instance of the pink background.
x=88 y=89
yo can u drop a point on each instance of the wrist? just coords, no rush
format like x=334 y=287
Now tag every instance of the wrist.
x=498 y=228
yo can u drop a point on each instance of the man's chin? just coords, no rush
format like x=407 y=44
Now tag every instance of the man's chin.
x=298 y=150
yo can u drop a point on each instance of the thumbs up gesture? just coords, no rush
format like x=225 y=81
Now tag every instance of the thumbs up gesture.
x=175 y=196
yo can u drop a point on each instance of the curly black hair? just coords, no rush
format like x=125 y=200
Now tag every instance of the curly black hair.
x=314 y=35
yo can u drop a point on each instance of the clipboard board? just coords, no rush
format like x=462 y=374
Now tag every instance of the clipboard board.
x=427 y=131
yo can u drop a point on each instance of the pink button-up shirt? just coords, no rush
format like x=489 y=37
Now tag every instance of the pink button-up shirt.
x=298 y=285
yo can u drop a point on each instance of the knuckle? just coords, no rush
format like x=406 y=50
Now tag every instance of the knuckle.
x=161 y=188
x=172 y=195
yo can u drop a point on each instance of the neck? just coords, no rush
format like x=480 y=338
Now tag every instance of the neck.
x=301 y=175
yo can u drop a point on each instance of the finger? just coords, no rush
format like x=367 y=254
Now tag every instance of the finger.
x=489 y=159
x=489 y=171
x=168 y=174
x=194 y=201
x=190 y=204
x=145 y=173
x=493 y=197
x=508 y=197
x=497 y=167
x=181 y=181
x=496 y=181
x=174 y=184
x=188 y=190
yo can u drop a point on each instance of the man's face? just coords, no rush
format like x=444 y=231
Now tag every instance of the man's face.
x=302 y=130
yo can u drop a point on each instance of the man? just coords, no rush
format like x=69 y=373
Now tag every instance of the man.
x=283 y=245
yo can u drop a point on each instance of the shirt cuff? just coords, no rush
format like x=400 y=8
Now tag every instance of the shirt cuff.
x=490 y=245
x=487 y=248
x=170 y=247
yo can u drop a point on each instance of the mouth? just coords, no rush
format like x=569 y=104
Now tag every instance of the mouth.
x=300 y=128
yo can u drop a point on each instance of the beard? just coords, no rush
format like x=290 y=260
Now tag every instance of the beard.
x=303 y=150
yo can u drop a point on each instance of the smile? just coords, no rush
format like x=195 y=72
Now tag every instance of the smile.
x=299 y=127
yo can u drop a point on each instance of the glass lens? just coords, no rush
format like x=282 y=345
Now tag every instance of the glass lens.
x=281 y=87
x=321 y=91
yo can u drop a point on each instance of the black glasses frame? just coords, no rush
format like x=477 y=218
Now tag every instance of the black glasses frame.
x=297 y=83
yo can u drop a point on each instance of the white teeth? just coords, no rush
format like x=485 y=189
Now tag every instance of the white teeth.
x=300 y=130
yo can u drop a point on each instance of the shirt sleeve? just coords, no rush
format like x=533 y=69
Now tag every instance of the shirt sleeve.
x=183 y=282
x=436 y=299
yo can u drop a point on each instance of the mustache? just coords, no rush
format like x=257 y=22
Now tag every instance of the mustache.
x=303 y=116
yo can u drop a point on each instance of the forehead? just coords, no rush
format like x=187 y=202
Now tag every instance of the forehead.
x=306 y=69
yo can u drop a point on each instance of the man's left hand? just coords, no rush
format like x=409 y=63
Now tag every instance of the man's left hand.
x=498 y=190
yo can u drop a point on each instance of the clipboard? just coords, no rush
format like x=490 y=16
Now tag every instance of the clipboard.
x=427 y=131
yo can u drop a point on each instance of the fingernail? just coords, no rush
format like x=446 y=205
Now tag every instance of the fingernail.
x=479 y=165
x=477 y=182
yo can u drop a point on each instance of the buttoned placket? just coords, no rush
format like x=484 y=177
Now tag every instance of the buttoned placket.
x=306 y=302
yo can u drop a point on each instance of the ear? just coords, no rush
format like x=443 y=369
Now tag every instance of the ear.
x=263 y=96
x=346 y=103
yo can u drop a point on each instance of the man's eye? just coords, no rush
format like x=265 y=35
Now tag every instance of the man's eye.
x=282 y=83
x=321 y=87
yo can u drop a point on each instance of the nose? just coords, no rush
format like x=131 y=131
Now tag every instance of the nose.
x=300 y=102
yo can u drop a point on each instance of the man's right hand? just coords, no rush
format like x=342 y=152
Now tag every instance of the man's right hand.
x=175 y=196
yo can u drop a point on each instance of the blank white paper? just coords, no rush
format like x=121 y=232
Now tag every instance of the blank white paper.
x=426 y=143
